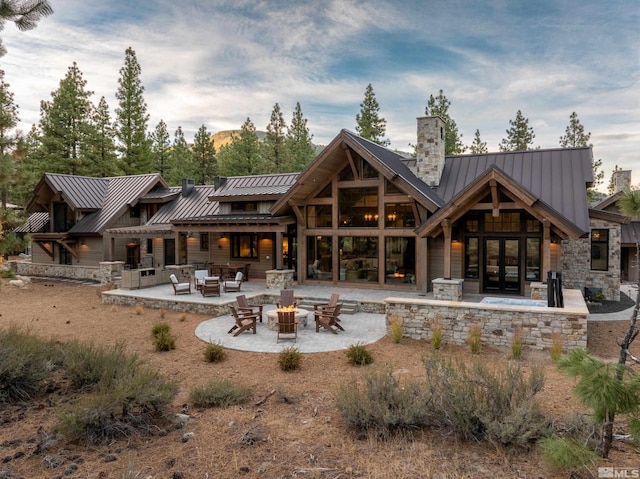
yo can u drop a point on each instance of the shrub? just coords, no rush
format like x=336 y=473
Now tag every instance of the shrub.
x=139 y=309
x=160 y=328
x=517 y=344
x=219 y=393
x=378 y=404
x=556 y=347
x=214 y=352
x=290 y=358
x=182 y=317
x=7 y=274
x=89 y=365
x=566 y=454
x=474 y=340
x=358 y=355
x=396 y=331
x=436 y=337
x=25 y=363
x=163 y=313
x=163 y=340
x=479 y=404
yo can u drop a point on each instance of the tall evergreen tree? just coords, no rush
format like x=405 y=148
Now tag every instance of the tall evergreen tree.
x=520 y=136
x=275 y=152
x=574 y=134
x=243 y=156
x=101 y=148
x=8 y=138
x=28 y=167
x=161 y=147
x=369 y=124
x=298 y=141
x=24 y=13
x=478 y=146
x=203 y=152
x=439 y=106
x=132 y=119
x=64 y=125
x=180 y=160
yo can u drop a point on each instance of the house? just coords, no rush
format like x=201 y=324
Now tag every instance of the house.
x=629 y=229
x=365 y=216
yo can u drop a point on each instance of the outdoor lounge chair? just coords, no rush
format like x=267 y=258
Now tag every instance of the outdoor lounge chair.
x=244 y=321
x=321 y=308
x=287 y=326
x=198 y=278
x=329 y=320
x=243 y=305
x=286 y=299
x=210 y=287
x=233 y=284
x=179 y=288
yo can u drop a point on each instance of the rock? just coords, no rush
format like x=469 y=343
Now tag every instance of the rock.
x=18 y=283
x=181 y=419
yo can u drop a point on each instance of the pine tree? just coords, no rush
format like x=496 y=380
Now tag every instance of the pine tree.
x=298 y=141
x=64 y=125
x=101 y=149
x=574 y=134
x=520 y=136
x=204 y=156
x=439 y=106
x=8 y=138
x=478 y=146
x=24 y=13
x=369 y=124
x=243 y=156
x=161 y=148
x=180 y=160
x=132 y=119
x=275 y=152
x=28 y=167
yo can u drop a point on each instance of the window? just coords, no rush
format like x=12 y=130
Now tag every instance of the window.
x=346 y=174
x=319 y=216
x=358 y=207
x=399 y=215
x=244 y=246
x=368 y=171
x=358 y=258
x=503 y=223
x=62 y=218
x=399 y=260
x=149 y=245
x=320 y=258
x=471 y=258
x=390 y=188
x=244 y=206
x=152 y=209
x=204 y=241
x=600 y=250
x=65 y=255
x=134 y=211
x=533 y=259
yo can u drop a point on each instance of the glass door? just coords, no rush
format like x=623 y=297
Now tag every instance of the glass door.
x=502 y=265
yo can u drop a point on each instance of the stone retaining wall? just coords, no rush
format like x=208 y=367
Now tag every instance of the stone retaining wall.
x=538 y=326
x=94 y=273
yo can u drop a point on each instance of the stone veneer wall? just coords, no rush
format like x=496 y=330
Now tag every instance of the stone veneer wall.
x=538 y=326
x=279 y=279
x=576 y=263
x=430 y=149
x=58 y=271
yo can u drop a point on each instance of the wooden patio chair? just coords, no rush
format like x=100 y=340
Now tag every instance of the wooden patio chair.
x=287 y=326
x=329 y=320
x=286 y=299
x=321 y=308
x=233 y=284
x=243 y=305
x=178 y=287
x=210 y=287
x=244 y=321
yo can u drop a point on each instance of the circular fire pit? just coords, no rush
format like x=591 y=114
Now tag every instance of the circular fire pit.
x=272 y=317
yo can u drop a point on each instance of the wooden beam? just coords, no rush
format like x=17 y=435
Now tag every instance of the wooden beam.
x=69 y=248
x=352 y=163
x=495 y=198
x=446 y=228
x=45 y=249
x=546 y=249
x=299 y=213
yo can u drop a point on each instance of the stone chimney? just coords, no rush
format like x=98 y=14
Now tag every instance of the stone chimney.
x=430 y=149
x=187 y=186
x=621 y=180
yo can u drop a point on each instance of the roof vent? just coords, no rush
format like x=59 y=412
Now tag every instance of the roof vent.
x=219 y=181
x=188 y=185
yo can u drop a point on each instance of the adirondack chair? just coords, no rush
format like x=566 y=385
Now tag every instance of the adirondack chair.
x=286 y=299
x=244 y=321
x=234 y=284
x=329 y=320
x=210 y=287
x=178 y=287
x=243 y=305
x=321 y=308
x=287 y=326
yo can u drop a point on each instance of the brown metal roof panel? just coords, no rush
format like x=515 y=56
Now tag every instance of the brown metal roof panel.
x=196 y=204
x=82 y=192
x=630 y=233
x=35 y=223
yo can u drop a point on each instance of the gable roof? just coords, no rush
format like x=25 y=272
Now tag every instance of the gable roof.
x=79 y=192
x=196 y=204
x=35 y=223
x=630 y=233
x=557 y=177
x=254 y=187
x=122 y=192
x=331 y=160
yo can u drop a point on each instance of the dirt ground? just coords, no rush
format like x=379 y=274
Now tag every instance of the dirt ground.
x=303 y=436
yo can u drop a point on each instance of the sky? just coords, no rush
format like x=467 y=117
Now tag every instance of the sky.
x=217 y=63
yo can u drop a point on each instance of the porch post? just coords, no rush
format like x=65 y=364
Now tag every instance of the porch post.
x=546 y=249
x=446 y=228
x=112 y=248
x=278 y=250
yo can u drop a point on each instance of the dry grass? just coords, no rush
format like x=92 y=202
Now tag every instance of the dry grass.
x=295 y=433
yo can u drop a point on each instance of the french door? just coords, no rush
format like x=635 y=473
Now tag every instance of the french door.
x=502 y=265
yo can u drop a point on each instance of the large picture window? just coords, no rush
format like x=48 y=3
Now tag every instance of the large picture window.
x=244 y=246
x=600 y=250
x=471 y=258
x=358 y=207
x=533 y=259
x=400 y=260
x=319 y=216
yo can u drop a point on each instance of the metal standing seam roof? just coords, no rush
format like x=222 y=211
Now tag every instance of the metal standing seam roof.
x=35 y=223
x=557 y=177
x=196 y=204
x=258 y=185
x=81 y=192
x=630 y=233
x=122 y=191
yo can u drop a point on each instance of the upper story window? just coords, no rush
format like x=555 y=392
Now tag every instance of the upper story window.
x=399 y=215
x=319 y=216
x=600 y=249
x=358 y=207
x=134 y=211
x=152 y=209
x=63 y=219
x=503 y=223
x=245 y=206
